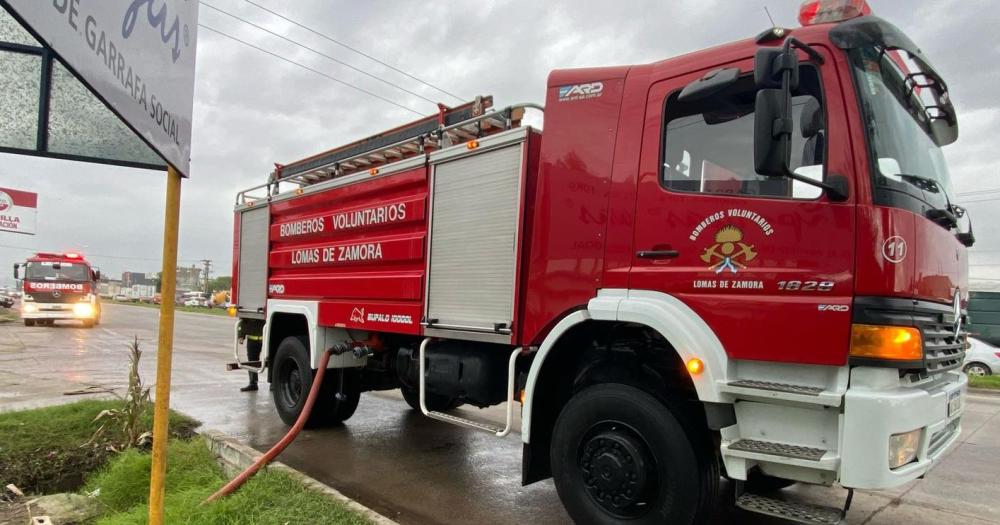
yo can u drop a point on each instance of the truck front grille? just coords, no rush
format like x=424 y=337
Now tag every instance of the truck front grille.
x=49 y=297
x=943 y=349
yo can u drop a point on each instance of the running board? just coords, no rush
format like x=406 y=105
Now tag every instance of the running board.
x=769 y=391
x=789 y=510
x=461 y=421
x=244 y=365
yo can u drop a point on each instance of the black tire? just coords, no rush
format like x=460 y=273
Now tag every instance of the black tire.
x=435 y=402
x=620 y=455
x=976 y=368
x=29 y=322
x=758 y=483
x=293 y=377
x=88 y=323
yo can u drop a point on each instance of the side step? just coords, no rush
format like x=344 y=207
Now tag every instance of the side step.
x=778 y=449
x=782 y=453
x=772 y=391
x=243 y=365
x=792 y=511
x=461 y=421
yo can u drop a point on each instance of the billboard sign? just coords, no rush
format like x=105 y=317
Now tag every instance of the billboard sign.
x=18 y=211
x=138 y=56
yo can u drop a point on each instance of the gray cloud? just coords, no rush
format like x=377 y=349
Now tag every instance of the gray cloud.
x=252 y=110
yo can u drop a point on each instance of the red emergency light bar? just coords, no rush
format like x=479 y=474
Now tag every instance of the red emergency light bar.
x=814 y=12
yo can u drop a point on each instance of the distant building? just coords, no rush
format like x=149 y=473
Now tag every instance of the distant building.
x=130 y=279
x=189 y=278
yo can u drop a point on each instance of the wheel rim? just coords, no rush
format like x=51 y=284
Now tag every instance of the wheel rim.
x=975 y=370
x=618 y=470
x=291 y=383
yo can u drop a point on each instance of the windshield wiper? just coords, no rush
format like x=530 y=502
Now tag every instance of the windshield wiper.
x=948 y=216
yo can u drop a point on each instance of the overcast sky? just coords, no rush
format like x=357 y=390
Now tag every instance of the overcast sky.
x=252 y=110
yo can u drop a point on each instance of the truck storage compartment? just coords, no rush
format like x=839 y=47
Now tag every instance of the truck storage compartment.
x=476 y=197
x=251 y=292
x=473 y=372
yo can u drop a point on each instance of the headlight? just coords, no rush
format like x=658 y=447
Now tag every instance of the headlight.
x=29 y=308
x=83 y=309
x=903 y=447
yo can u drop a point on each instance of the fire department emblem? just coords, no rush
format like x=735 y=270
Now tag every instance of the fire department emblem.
x=5 y=201
x=729 y=251
x=358 y=315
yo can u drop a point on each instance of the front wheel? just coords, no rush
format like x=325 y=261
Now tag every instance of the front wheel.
x=29 y=322
x=620 y=455
x=293 y=377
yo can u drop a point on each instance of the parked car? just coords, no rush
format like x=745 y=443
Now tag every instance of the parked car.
x=122 y=298
x=982 y=358
x=6 y=301
x=196 y=302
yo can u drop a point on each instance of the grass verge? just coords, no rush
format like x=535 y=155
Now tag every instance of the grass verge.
x=990 y=382
x=193 y=475
x=41 y=450
x=8 y=315
x=179 y=308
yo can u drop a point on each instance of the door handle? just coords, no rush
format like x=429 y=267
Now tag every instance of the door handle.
x=658 y=254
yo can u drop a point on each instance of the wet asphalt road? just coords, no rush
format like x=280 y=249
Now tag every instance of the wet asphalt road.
x=403 y=465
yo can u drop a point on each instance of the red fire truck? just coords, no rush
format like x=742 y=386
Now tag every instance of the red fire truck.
x=59 y=286
x=742 y=261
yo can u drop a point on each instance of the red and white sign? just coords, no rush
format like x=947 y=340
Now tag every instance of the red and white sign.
x=18 y=211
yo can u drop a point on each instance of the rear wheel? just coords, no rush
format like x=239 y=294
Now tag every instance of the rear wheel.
x=977 y=369
x=293 y=377
x=619 y=454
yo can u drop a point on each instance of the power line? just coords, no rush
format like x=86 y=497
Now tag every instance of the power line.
x=978 y=192
x=303 y=66
x=101 y=255
x=320 y=53
x=358 y=51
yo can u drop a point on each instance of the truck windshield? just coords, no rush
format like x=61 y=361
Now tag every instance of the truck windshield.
x=899 y=109
x=46 y=271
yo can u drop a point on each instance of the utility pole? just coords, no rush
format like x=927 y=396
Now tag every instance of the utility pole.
x=207 y=264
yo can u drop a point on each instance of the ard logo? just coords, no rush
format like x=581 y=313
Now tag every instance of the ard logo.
x=581 y=91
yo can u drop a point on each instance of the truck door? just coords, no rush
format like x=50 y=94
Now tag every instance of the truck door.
x=766 y=262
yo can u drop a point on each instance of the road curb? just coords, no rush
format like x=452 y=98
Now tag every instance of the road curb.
x=236 y=456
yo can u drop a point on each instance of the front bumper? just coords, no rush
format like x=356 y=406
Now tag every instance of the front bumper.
x=877 y=405
x=56 y=311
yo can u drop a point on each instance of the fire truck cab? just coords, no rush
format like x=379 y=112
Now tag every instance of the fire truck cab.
x=58 y=286
x=741 y=261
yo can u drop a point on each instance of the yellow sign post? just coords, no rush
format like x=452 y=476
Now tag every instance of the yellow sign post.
x=165 y=346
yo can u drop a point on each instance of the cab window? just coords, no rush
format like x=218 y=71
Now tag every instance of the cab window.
x=708 y=143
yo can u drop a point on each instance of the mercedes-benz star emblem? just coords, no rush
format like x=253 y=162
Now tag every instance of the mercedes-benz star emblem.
x=56 y=293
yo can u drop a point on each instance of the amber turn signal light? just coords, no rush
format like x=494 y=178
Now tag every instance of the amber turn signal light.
x=695 y=366
x=897 y=343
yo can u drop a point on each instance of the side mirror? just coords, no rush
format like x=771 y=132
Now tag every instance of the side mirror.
x=17 y=273
x=772 y=137
x=769 y=65
x=97 y=274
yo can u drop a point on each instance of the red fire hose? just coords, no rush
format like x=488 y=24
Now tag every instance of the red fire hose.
x=285 y=441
